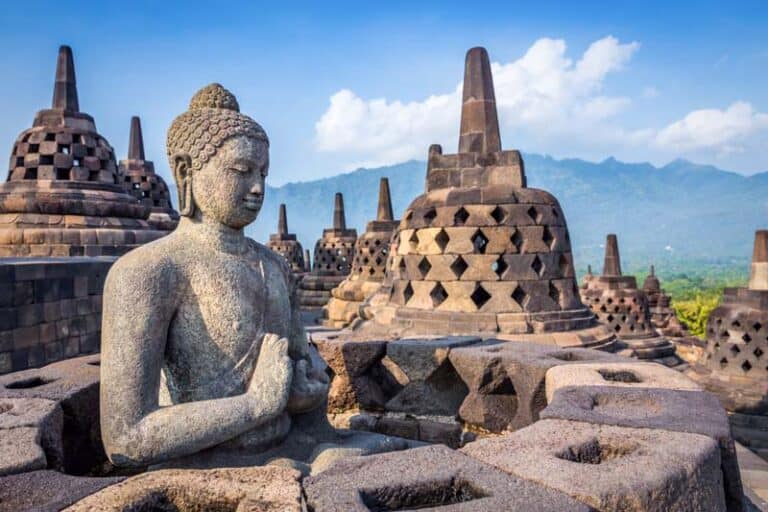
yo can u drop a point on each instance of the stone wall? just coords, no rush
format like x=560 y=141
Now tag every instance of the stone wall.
x=50 y=309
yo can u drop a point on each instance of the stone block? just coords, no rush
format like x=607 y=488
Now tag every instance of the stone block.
x=612 y=468
x=268 y=488
x=47 y=490
x=505 y=380
x=74 y=385
x=429 y=478
x=695 y=412
x=629 y=374
x=30 y=435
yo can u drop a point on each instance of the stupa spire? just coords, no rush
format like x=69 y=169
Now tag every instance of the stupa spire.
x=479 y=121
x=612 y=263
x=136 y=141
x=282 y=221
x=339 y=220
x=65 y=88
x=385 y=202
x=758 y=276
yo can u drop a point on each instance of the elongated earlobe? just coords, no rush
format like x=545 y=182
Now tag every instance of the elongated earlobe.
x=182 y=173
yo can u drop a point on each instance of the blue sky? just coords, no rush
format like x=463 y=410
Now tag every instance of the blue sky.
x=337 y=85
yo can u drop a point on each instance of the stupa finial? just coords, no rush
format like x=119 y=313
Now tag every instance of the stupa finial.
x=282 y=221
x=479 y=120
x=339 y=220
x=65 y=87
x=758 y=276
x=612 y=263
x=385 y=202
x=136 y=141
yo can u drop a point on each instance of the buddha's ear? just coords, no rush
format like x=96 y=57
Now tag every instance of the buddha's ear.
x=182 y=173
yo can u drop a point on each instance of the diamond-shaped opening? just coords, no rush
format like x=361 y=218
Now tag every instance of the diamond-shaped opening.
x=517 y=240
x=430 y=215
x=736 y=324
x=554 y=293
x=442 y=239
x=458 y=267
x=401 y=266
x=414 y=240
x=438 y=295
x=725 y=335
x=723 y=362
x=746 y=366
x=610 y=318
x=499 y=266
x=564 y=265
x=480 y=296
x=479 y=242
x=548 y=238
x=757 y=326
x=554 y=213
x=498 y=214
x=537 y=266
x=735 y=350
x=617 y=327
x=534 y=214
x=747 y=338
x=424 y=266
x=407 y=293
x=758 y=352
x=460 y=217
x=519 y=296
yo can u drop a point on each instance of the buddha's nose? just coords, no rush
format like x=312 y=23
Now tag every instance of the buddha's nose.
x=257 y=189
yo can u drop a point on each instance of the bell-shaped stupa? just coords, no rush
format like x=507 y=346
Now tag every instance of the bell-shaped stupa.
x=286 y=244
x=332 y=260
x=63 y=196
x=139 y=179
x=623 y=307
x=368 y=265
x=479 y=251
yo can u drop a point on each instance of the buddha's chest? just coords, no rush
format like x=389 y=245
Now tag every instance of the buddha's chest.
x=228 y=306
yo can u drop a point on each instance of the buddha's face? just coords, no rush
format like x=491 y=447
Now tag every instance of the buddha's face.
x=230 y=186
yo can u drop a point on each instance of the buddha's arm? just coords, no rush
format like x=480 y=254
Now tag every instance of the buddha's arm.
x=139 y=304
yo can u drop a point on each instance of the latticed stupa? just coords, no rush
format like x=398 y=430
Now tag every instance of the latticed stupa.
x=620 y=305
x=479 y=251
x=63 y=196
x=332 y=260
x=139 y=179
x=735 y=363
x=663 y=316
x=368 y=265
x=286 y=244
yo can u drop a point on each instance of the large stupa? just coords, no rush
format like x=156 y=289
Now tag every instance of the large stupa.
x=63 y=196
x=479 y=251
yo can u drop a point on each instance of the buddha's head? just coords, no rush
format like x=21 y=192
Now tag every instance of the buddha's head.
x=219 y=159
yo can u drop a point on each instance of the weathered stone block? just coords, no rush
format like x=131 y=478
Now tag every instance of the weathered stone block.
x=30 y=435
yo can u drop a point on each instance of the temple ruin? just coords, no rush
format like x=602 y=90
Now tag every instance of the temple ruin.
x=64 y=195
x=332 y=260
x=623 y=307
x=368 y=265
x=286 y=244
x=139 y=179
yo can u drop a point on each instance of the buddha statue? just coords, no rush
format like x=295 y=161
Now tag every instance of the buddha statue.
x=205 y=362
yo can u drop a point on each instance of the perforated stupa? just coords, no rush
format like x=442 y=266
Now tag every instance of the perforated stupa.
x=479 y=251
x=286 y=244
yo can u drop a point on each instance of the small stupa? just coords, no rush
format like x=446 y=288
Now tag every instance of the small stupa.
x=479 y=251
x=286 y=244
x=149 y=188
x=620 y=305
x=368 y=265
x=332 y=260
x=663 y=316
x=64 y=196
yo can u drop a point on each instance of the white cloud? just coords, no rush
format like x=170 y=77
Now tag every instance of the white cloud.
x=544 y=91
x=650 y=93
x=722 y=131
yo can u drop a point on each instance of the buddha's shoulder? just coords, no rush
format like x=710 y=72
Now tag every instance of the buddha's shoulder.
x=159 y=257
x=269 y=256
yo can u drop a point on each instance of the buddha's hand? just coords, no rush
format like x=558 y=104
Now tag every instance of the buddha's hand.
x=271 y=380
x=309 y=387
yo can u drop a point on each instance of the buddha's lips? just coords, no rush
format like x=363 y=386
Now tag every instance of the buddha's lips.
x=253 y=202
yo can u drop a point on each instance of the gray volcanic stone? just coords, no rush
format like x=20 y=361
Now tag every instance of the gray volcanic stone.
x=429 y=478
x=505 y=379
x=696 y=412
x=612 y=468
x=261 y=489
x=433 y=387
x=30 y=435
x=74 y=385
x=44 y=491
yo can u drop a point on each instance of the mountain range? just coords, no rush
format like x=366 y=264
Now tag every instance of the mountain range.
x=679 y=212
